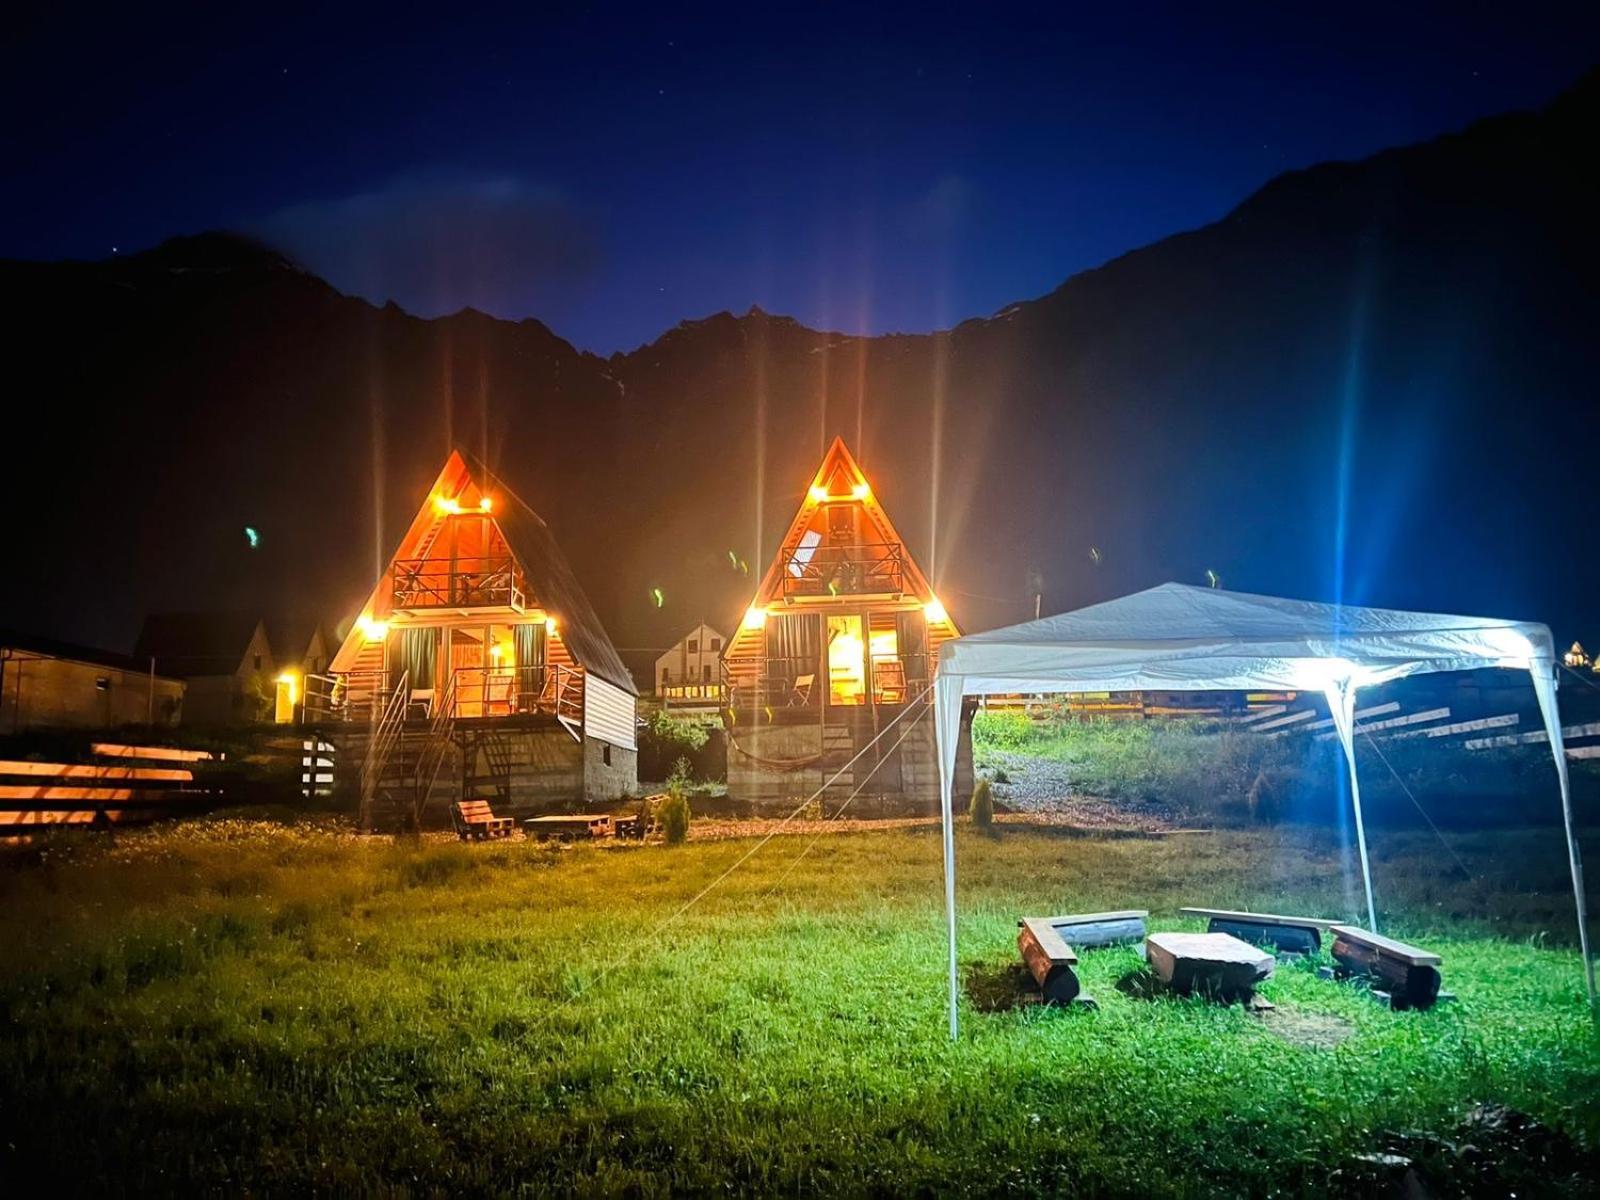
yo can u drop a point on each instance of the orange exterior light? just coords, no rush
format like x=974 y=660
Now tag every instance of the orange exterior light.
x=372 y=631
x=485 y=504
x=550 y=626
x=861 y=491
x=935 y=611
x=818 y=493
x=446 y=505
x=754 y=618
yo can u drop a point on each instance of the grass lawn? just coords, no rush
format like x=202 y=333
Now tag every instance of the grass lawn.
x=235 y=1005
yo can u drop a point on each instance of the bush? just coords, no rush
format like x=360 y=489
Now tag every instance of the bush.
x=982 y=805
x=675 y=815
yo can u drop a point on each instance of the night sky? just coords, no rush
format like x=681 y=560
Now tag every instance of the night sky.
x=613 y=173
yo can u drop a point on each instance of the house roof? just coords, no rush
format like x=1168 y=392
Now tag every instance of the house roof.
x=551 y=580
x=196 y=643
x=71 y=651
x=291 y=637
x=551 y=584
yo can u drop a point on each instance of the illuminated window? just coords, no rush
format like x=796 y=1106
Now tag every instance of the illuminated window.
x=803 y=552
x=847 y=661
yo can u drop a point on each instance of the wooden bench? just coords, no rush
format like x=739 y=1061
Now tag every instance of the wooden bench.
x=1411 y=973
x=1218 y=965
x=1291 y=935
x=568 y=826
x=475 y=821
x=1049 y=960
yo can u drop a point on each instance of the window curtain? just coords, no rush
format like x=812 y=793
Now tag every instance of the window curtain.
x=911 y=636
x=419 y=651
x=530 y=643
x=794 y=644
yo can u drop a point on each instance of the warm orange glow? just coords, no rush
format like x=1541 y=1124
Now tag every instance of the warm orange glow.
x=291 y=681
x=861 y=491
x=818 y=493
x=372 y=631
x=847 y=665
x=446 y=504
x=935 y=611
x=485 y=504
x=754 y=618
x=550 y=626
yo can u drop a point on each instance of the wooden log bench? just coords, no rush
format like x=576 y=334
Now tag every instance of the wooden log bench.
x=1409 y=973
x=1217 y=965
x=1049 y=960
x=475 y=821
x=568 y=826
x=1289 y=935
x=1050 y=957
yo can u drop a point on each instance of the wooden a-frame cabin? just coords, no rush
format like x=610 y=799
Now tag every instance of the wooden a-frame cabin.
x=841 y=639
x=477 y=667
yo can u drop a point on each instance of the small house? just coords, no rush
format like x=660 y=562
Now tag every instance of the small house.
x=838 y=645
x=224 y=658
x=477 y=667
x=49 y=684
x=689 y=675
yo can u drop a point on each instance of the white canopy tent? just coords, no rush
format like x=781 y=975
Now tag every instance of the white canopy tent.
x=1179 y=638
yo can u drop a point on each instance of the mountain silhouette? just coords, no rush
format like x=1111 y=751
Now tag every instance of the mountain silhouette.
x=1370 y=380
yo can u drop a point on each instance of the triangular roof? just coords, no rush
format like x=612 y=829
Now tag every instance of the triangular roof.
x=1180 y=637
x=840 y=476
x=196 y=643
x=551 y=583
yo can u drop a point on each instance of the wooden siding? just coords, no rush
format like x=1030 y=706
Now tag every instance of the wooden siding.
x=608 y=712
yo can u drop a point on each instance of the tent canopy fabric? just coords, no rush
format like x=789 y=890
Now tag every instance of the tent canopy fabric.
x=1180 y=638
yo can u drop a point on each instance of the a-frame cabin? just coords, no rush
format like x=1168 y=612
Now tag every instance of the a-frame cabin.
x=839 y=644
x=477 y=667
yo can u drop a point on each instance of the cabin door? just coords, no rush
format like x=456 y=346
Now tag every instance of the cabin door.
x=467 y=656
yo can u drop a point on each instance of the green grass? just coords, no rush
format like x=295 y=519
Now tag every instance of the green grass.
x=234 y=1006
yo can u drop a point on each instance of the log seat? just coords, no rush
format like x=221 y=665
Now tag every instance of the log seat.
x=1288 y=935
x=1218 y=965
x=1409 y=973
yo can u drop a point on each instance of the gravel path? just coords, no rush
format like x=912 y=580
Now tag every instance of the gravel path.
x=1042 y=788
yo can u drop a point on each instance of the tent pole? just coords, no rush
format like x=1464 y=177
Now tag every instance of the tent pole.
x=1544 y=686
x=1342 y=704
x=947 y=730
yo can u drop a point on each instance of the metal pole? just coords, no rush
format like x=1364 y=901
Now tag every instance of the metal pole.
x=1544 y=687
x=1342 y=703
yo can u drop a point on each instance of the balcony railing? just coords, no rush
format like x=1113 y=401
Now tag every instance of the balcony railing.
x=692 y=693
x=874 y=569
x=459 y=583
x=516 y=691
x=803 y=683
x=361 y=696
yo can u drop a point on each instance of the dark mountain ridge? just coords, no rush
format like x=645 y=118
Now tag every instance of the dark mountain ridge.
x=1370 y=379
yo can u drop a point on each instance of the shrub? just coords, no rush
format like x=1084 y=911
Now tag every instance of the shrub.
x=675 y=815
x=982 y=805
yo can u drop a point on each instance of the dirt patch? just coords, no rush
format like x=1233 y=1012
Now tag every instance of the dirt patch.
x=1315 y=1031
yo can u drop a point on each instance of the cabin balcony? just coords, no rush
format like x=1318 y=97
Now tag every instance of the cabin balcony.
x=469 y=693
x=680 y=696
x=793 y=688
x=458 y=584
x=828 y=572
